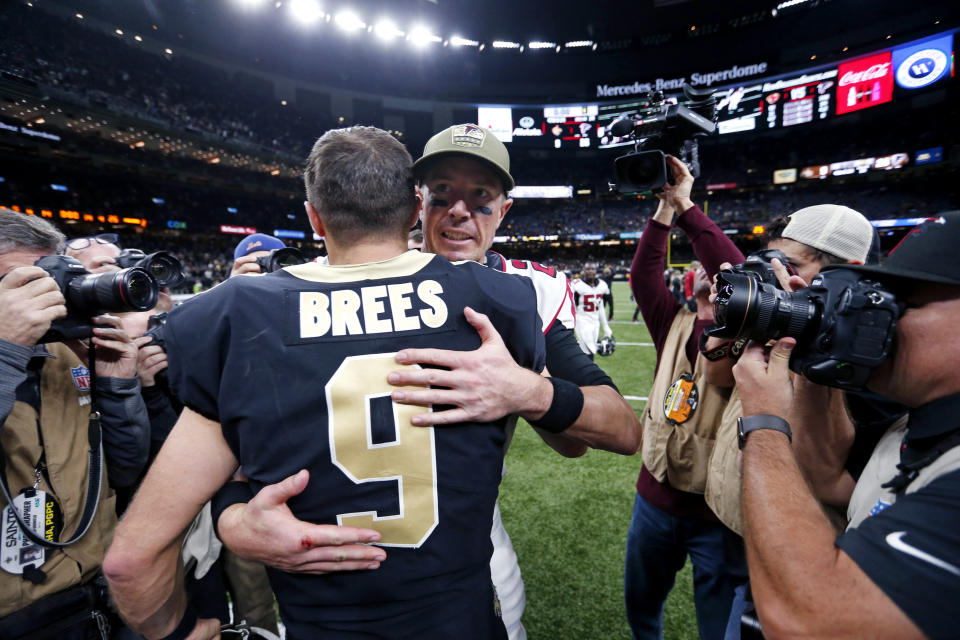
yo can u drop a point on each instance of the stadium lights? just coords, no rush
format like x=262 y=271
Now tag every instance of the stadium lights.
x=138 y=38
x=349 y=22
x=79 y=16
x=421 y=37
x=119 y=32
x=387 y=30
x=542 y=45
x=578 y=43
x=250 y=4
x=305 y=11
x=505 y=44
x=169 y=52
x=457 y=41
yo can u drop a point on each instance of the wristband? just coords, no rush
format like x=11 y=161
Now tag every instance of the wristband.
x=187 y=623
x=564 y=409
x=235 y=492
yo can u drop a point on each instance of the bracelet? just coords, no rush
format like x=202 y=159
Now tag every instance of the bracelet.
x=564 y=409
x=234 y=492
x=187 y=623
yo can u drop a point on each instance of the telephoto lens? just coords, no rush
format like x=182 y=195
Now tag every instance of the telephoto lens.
x=745 y=307
x=131 y=289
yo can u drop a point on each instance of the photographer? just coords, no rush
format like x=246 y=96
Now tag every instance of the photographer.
x=46 y=398
x=97 y=253
x=895 y=571
x=809 y=239
x=670 y=517
x=250 y=249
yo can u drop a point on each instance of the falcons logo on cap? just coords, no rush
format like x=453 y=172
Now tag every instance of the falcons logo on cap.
x=468 y=135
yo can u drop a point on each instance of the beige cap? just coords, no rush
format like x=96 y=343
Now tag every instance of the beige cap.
x=469 y=140
x=832 y=228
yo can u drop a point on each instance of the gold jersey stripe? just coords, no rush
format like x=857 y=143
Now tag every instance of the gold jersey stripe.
x=405 y=264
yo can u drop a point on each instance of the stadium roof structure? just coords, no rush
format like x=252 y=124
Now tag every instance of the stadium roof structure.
x=503 y=49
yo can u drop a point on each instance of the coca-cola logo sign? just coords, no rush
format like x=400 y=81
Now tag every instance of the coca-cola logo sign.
x=874 y=72
x=864 y=82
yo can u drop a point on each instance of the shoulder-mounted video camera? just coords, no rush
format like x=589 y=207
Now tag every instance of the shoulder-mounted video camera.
x=662 y=129
x=88 y=295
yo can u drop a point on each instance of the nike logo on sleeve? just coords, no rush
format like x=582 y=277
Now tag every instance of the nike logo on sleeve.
x=895 y=540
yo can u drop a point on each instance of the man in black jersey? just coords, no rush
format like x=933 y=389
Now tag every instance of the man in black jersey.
x=312 y=393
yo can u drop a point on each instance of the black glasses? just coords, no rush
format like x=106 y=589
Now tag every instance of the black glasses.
x=100 y=238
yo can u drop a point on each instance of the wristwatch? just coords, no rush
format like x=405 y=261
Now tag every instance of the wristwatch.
x=761 y=421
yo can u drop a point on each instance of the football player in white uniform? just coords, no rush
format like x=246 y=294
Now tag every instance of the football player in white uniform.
x=463 y=180
x=590 y=293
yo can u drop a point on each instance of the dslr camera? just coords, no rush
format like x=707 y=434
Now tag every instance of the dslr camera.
x=88 y=295
x=163 y=266
x=280 y=258
x=843 y=322
x=663 y=129
x=760 y=264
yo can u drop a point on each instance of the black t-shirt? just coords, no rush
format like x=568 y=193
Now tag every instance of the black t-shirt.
x=293 y=365
x=911 y=550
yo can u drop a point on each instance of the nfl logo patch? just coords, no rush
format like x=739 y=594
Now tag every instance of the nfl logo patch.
x=81 y=377
x=877 y=508
x=468 y=135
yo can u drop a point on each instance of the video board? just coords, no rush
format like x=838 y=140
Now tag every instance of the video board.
x=786 y=100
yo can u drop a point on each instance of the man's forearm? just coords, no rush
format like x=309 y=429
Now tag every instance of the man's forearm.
x=789 y=541
x=152 y=607
x=607 y=422
x=822 y=440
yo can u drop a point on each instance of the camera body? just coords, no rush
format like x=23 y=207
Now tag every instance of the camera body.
x=665 y=129
x=760 y=263
x=843 y=323
x=88 y=295
x=280 y=258
x=162 y=265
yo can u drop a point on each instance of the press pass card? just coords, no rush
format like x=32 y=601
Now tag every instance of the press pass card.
x=41 y=515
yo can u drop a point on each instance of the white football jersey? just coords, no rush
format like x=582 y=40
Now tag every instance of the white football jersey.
x=590 y=298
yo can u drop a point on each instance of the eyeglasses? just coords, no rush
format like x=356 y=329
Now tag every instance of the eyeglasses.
x=83 y=243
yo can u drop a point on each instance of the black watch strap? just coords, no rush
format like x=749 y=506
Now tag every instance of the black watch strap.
x=761 y=421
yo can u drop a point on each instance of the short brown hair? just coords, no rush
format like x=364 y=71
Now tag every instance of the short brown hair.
x=360 y=181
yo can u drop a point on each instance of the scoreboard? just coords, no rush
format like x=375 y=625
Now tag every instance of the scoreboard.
x=786 y=100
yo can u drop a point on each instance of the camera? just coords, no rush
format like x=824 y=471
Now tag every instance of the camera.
x=663 y=129
x=760 y=263
x=161 y=265
x=155 y=329
x=280 y=258
x=843 y=323
x=88 y=295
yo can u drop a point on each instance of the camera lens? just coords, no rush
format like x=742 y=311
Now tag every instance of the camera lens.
x=745 y=307
x=132 y=289
x=164 y=267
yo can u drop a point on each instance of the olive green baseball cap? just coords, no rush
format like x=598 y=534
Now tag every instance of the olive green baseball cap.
x=472 y=141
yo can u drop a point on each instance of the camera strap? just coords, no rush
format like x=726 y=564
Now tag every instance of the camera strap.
x=729 y=349
x=910 y=468
x=94 y=478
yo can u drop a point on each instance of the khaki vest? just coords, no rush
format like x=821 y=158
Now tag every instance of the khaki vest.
x=679 y=452
x=63 y=422
x=882 y=467
x=724 y=473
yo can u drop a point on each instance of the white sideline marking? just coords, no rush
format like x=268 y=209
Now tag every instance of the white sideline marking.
x=635 y=344
x=639 y=398
x=638 y=322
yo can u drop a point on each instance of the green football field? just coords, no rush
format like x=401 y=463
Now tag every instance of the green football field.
x=568 y=518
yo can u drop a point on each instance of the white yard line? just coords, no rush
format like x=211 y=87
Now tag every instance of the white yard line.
x=635 y=344
x=637 y=398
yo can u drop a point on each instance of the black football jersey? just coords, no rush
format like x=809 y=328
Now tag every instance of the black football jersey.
x=293 y=365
